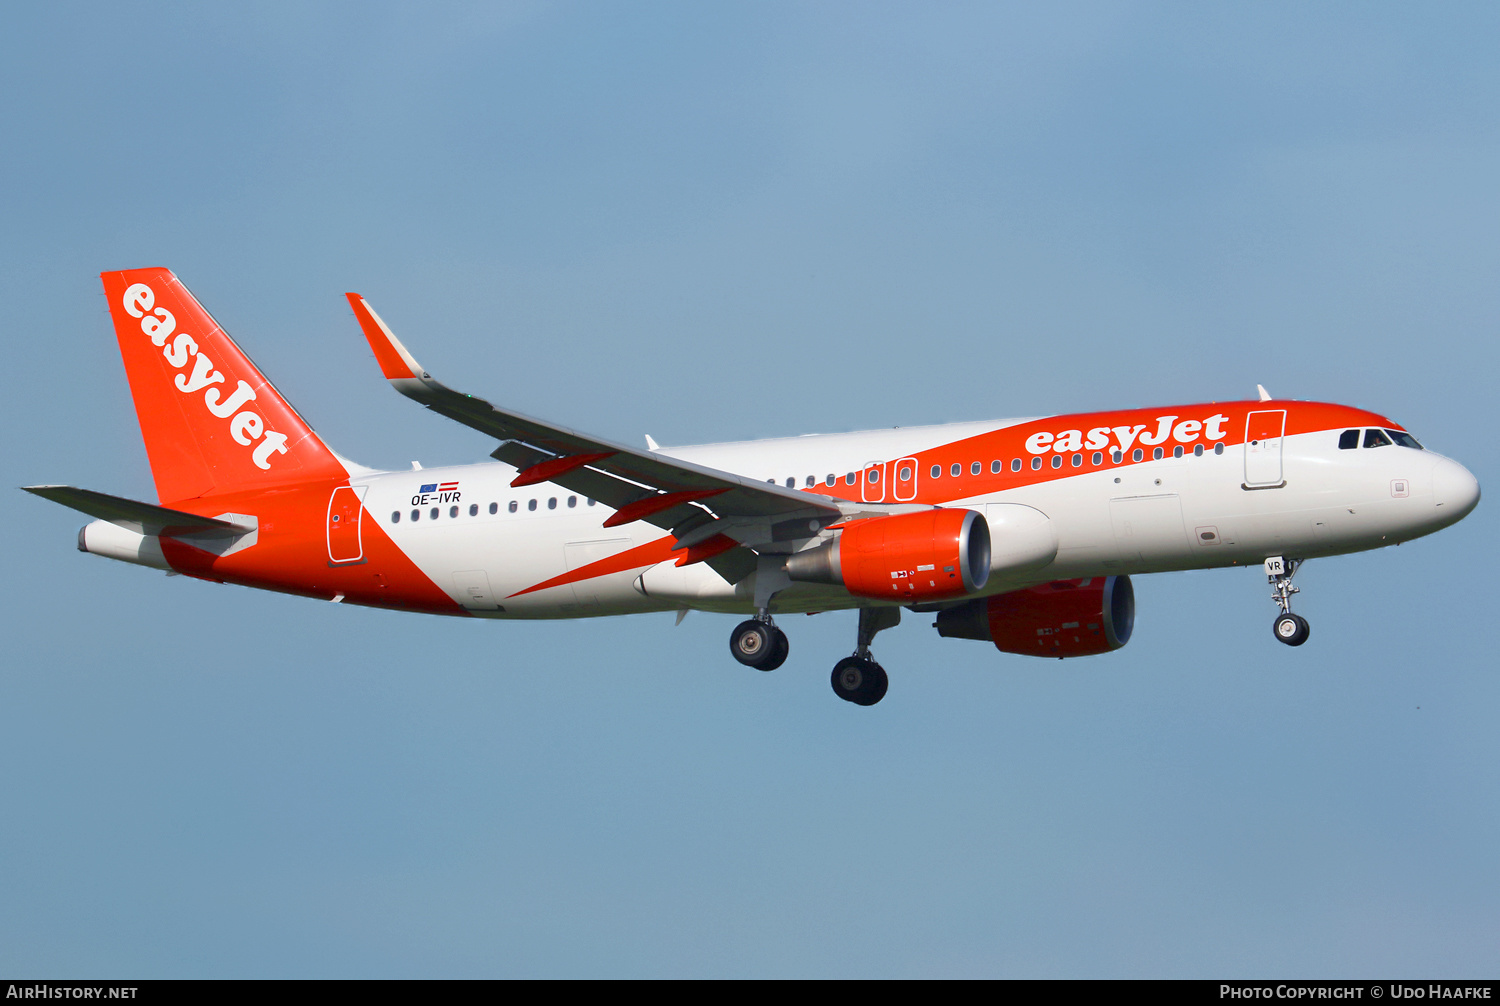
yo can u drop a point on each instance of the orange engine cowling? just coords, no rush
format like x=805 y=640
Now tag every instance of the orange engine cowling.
x=1064 y=618
x=928 y=555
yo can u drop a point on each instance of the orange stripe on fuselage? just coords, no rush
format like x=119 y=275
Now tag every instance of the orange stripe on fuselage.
x=1010 y=442
x=1006 y=444
x=291 y=553
x=648 y=554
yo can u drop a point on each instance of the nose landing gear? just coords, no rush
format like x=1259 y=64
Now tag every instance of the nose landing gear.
x=1288 y=628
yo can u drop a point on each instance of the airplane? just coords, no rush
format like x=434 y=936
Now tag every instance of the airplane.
x=1020 y=532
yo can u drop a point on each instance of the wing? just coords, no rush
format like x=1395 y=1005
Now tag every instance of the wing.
x=709 y=511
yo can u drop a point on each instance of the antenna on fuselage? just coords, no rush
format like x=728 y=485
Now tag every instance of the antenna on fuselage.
x=1265 y=396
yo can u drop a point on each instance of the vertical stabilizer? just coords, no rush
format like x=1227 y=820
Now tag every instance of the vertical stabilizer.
x=212 y=423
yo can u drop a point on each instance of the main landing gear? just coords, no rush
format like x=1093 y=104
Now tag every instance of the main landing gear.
x=858 y=678
x=1288 y=628
x=758 y=643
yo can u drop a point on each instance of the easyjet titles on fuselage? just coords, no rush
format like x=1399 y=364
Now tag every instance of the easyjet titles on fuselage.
x=1184 y=432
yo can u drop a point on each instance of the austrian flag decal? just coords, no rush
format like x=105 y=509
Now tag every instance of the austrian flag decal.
x=436 y=492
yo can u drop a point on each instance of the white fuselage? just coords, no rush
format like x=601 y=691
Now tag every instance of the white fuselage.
x=1183 y=512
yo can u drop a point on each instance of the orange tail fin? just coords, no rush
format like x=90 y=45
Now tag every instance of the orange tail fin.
x=212 y=423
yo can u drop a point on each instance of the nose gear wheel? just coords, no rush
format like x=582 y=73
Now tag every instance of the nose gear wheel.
x=1290 y=629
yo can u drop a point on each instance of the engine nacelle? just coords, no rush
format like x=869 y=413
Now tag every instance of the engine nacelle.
x=1064 y=618
x=928 y=555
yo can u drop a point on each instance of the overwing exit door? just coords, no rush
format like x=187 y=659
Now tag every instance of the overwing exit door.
x=872 y=480
x=904 y=481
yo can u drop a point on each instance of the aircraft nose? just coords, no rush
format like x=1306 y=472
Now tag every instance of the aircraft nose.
x=1454 y=490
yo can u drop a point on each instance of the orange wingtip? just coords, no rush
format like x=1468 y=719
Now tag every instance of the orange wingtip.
x=394 y=362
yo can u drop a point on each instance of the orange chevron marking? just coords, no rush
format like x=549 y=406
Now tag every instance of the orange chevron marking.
x=648 y=554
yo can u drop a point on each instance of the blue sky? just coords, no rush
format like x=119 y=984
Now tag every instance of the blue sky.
x=707 y=222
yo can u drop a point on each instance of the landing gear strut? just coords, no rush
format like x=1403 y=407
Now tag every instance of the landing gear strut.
x=759 y=643
x=858 y=678
x=1288 y=628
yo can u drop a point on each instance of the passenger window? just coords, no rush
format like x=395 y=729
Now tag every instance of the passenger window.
x=995 y=467
x=1117 y=457
x=1137 y=454
x=1078 y=461
x=849 y=479
x=1404 y=439
x=1348 y=440
x=1376 y=438
x=473 y=509
x=1036 y=463
x=831 y=480
x=1057 y=461
x=1218 y=448
x=975 y=468
x=956 y=470
x=937 y=471
x=1197 y=450
x=791 y=482
x=416 y=515
x=453 y=511
x=589 y=502
x=1015 y=464
x=531 y=504
x=396 y=517
x=1098 y=458
x=874 y=476
x=572 y=501
x=1177 y=451
x=552 y=503
x=905 y=473
x=434 y=514
x=1157 y=454
x=812 y=480
x=513 y=506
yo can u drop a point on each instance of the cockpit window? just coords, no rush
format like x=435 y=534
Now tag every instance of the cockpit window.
x=1348 y=440
x=1376 y=438
x=1404 y=439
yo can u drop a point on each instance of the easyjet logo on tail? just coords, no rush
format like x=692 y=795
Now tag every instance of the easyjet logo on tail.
x=246 y=425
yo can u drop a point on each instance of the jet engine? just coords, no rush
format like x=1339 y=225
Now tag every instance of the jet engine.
x=1064 y=618
x=928 y=555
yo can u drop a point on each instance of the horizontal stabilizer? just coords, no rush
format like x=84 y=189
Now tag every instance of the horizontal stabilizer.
x=133 y=515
